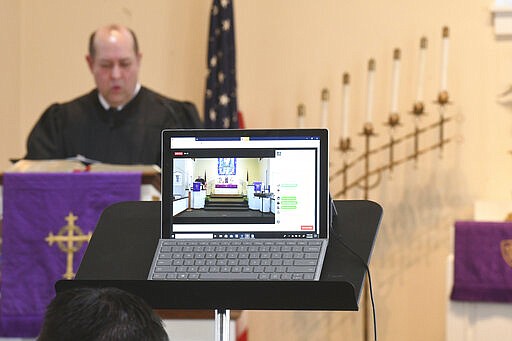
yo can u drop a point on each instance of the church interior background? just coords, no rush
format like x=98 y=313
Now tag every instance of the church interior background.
x=287 y=53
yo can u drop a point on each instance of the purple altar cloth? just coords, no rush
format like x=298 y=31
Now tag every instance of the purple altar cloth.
x=35 y=205
x=482 y=262
x=226 y=186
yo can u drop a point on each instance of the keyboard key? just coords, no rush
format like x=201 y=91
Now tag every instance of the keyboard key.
x=301 y=269
x=299 y=262
x=275 y=277
x=164 y=262
x=162 y=269
x=264 y=276
x=259 y=269
x=231 y=276
x=311 y=255
x=286 y=276
x=281 y=269
x=181 y=269
x=309 y=276
x=270 y=269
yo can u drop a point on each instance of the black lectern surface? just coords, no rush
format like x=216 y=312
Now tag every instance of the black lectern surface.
x=122 y=247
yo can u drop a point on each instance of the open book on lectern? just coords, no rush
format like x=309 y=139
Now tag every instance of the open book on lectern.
x=248 y=204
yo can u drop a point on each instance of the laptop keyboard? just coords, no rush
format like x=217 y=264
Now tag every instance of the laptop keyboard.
x=238 y=259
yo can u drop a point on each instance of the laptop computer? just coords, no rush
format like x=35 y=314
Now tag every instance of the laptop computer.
x=247 y=204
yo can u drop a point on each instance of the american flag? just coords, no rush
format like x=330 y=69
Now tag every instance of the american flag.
x=220 y=104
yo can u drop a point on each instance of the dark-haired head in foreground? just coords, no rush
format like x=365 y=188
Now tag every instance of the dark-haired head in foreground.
x=94 y=314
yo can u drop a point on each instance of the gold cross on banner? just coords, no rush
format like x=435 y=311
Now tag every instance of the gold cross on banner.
x=69 y=239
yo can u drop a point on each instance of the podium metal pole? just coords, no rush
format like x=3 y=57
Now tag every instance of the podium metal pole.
x=222 y=324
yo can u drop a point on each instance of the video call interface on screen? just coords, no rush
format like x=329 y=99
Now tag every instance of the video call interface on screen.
x=249 y=187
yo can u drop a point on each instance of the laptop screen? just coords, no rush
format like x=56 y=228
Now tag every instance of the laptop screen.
x=245 y=183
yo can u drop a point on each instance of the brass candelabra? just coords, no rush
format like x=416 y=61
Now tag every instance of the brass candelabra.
x=371 y=176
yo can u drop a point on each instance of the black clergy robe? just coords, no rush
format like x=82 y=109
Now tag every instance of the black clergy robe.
x=129 y=136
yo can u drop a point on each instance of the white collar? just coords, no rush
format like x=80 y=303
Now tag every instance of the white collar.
x=105 y=104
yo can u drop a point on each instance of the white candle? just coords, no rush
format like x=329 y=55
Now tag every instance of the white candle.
x=421 y=70
x=325 y=108
x=396 y=80
x=301 y=113
x=345 y=105
x=369 y=99
x=444 y=60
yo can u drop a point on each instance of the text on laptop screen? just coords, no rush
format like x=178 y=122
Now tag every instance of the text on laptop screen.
x=244 y=186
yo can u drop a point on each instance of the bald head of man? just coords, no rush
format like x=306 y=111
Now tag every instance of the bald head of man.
x=114 y=61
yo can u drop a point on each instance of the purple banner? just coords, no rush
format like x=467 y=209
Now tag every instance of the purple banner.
x=483 y=262
x=38 y=210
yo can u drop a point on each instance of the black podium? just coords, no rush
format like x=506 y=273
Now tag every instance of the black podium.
x=122 y=247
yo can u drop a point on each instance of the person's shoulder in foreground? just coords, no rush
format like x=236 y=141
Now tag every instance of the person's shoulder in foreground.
x=100 y=314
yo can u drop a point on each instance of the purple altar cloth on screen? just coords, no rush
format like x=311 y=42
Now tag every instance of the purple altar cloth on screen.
x=34 y=205
x=226 y=186
x=482 y=262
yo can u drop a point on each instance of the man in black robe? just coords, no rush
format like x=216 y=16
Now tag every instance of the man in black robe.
x=118 y=122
